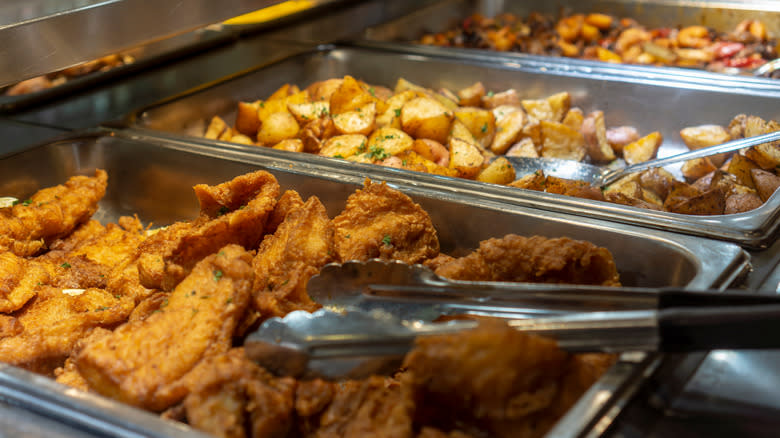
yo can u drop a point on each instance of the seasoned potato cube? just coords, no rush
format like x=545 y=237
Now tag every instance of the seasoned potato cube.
x=247 y=122
x=600 y=21
x=500 y=171
x=628 y=185
x=359 y=121
x=423 y=117
x=539 y=109
x=344 y=146
x=388 y=141
x=657 y=180
x=277 y=127
x=532 y=181
x=574 y=118
x=523 y=148
x=766 y=156
x=697 y=168
x=459 y=130
x=560 y=141
x=268 y=107
x=349 y=96
x=652 y=198
x=471 y=95
x=402 y=85
x=392 y=115
x=502 y=111
x=643 y=149
x=446 y=101
x=623 y=199
x=766 y=183
x=480 y=122
x=697 y=137
x=579 y=189
x=306 y=112
x=533 y=130
x=465 y=157
x=507 y=97
x=216 y=128
x=323 y=90
x=241 y=139
x=414 y=161
x=508 y=129
x=741 y=167
x=291 y=144
x=594 y=130
x=678 y=192
x=432 y=150
x=621 y=136
x=280 y=92
x=742 y=202
x=710 y=202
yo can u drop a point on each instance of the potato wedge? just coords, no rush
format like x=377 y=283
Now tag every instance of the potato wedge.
x=413 y=161
x=766 y=183
x=291 y=144
x=268 y=107
x=387 y=142
x=217 y=127
x=523 y=148
x=533 y=130
x=539 y=109
x=711 y=202
x=349 y=96
x=741 y=167
x=579 y=189
x=623 y=199
x=241 y=139
x=559 y=105
x=657 y=180
x=697 y=168
x=280 y=93
x=574 y=118
x=277 y=127
x=344 y=146
x=643 y=149
x=359 y=121
x=628 y=185
x=697 y=137
x=471 y=95
x=508 y=97
x=533 y=181
x=247 y=122
x=432 y=150
x=323 y=90
x=742 y=202
x=480 y=122
x=508 y=130
x=594 y=130
x=560 y=141
x=465 y=157
x=424 y=117
x=306 y=112
x=500 y=171
x=621 y=136
x=392 y=115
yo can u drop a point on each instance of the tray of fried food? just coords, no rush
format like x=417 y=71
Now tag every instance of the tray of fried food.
x=730 y=38
x=148 y=305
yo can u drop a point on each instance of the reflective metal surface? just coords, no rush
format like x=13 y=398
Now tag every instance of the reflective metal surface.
x=649 y=103
x=18 y=136
x=41 y=36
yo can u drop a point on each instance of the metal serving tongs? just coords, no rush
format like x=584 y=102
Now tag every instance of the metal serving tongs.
x=349 y=342
x=603 y=176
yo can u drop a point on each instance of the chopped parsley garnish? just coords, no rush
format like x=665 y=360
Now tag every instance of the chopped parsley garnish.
x=118 y=297
x=194 y=311
x=223 y=210
x=205 y=297
x=348 y=236
x=372 y=91
x=398 y=112
x=386 y=240
x=490 y=94
x=229 y=300
x=403 y=162
x=221 y=253
x=101 y=308
x=338 y=156
x=262 y=104
x=66 y=265
x=377 y=153
x=217 y=275
x=362 y=147
x=484 y=128
x=324 y=112
x=164 y=303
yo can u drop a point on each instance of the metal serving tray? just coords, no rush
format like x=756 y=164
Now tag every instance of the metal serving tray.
x=649 y=101
x=153 y=178
x=722 y=15
x=146 y=56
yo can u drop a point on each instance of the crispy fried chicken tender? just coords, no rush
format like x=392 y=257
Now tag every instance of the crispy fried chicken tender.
x=535 y=259
x=28 y=227
x=300 y=247
x=231 y=212
x=20 y=280
x=381 y=222
x=140 y=362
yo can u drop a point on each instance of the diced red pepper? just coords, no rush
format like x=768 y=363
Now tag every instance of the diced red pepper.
x=724 y=49
x=745 y=62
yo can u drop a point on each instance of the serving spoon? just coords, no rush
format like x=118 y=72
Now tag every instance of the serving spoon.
x=602 y=176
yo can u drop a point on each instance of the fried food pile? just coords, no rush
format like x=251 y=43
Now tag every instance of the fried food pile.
x=609 y=38
x=467 y=133
x=156 y=317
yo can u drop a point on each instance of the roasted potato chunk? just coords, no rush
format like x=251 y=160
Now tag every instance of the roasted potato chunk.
x=359 y=121
x=643 y=149
x=594 y=130
x=471 y=95
x=465 y=158
x=423 y=117
x=480 y=122
x=766 y=183
x=508 y=130
x=560 y=141
x=388 y=141
x=500 y=171
x=343 y=146
x=277 y=127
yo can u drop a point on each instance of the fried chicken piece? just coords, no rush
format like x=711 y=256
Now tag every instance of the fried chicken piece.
x=69 y=375
x=231 y=212
x=55 y=320
x=535 y=259
x=289 y=201
x=9 y=326
x=285 y=261
x=376 y=407
x=381 y=222
x=51 y=213
x=140 y=362
x=226 y=392
x=20 y=280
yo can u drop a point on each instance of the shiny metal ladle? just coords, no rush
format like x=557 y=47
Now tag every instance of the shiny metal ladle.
x=603 y=176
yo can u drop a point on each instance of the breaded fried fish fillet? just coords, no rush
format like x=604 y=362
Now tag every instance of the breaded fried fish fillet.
x=381 y=222
x=27 y=227
x=140 y=362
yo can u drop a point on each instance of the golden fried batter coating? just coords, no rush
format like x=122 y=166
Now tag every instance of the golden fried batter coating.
x=55 y=320
x=53 y=212
x=381 y=222
x=285 y=261
x=141 y=360
x=289 y=201
x=20 y=280
x=231 y=212
x=228 y=391
x=535 y=259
